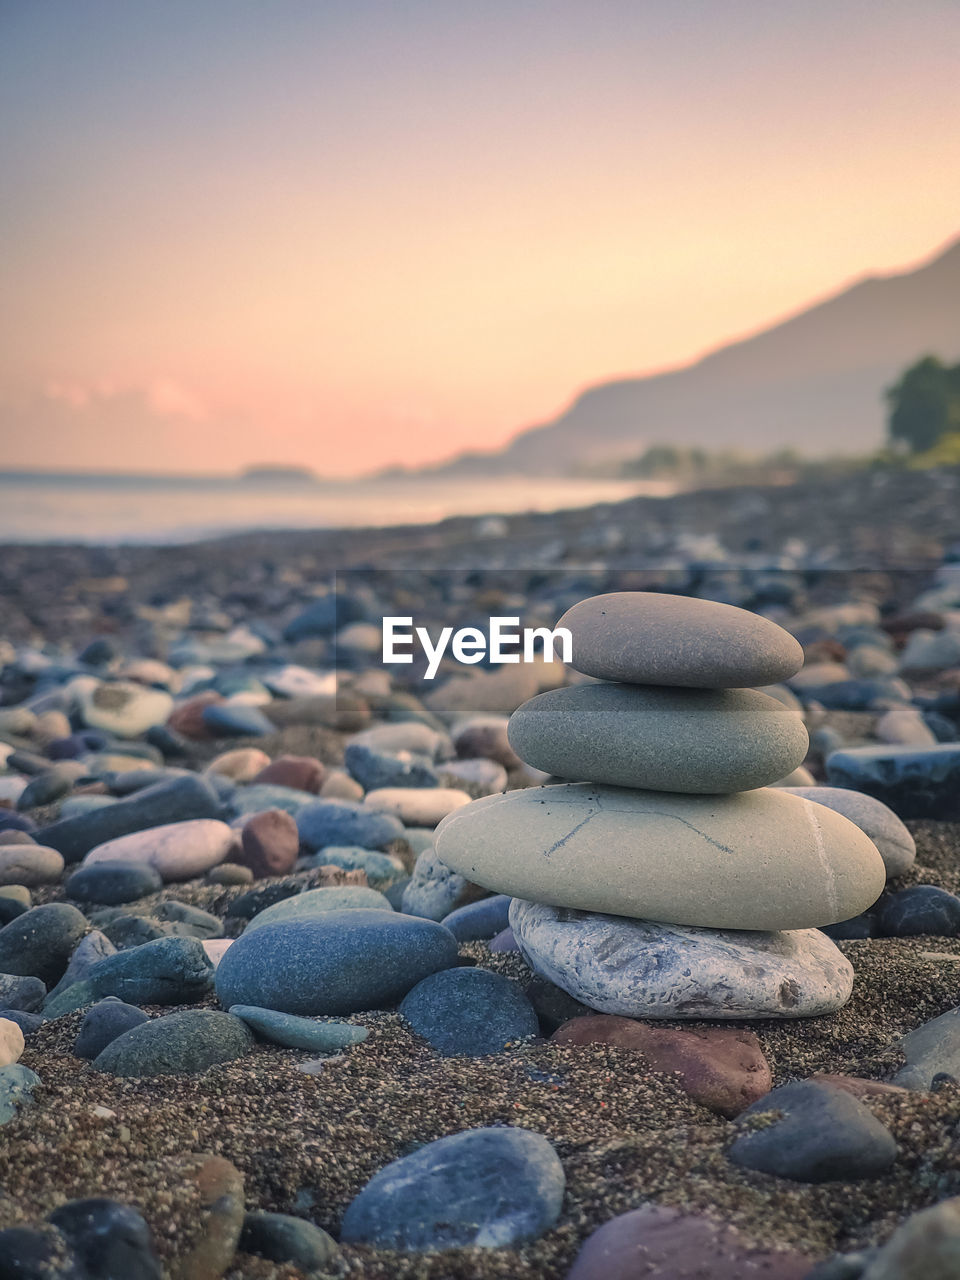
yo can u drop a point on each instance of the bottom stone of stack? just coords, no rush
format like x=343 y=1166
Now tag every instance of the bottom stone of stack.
x=642 y=969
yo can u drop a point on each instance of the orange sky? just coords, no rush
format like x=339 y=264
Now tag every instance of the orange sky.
x=354 y=236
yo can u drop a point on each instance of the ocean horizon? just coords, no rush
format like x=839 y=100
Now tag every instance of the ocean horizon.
x=113 y=509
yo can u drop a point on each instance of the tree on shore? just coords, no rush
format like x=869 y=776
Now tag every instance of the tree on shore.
x=924 y=405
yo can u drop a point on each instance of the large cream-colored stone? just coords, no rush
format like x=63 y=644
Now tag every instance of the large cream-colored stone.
x=689 y=740
x=758 y=860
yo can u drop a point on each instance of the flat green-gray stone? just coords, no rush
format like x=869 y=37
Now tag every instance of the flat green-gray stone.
x=688 y=740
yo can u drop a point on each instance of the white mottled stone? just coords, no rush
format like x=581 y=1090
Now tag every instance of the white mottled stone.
x=489 y=775
x=639 y=969
x=11 y=1042
x=760 y=859
x=178 y=850
x=416 y=806
x=123 y=707
x=904 y=727
x=434 y=890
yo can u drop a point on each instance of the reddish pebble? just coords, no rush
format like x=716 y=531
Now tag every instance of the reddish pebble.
x=187 y=717
x=664 y=1243
x=303 y=773
x=722 y=1069
x=270 y=844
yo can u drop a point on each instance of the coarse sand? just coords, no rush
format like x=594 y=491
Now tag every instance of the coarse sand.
x=306 y=1144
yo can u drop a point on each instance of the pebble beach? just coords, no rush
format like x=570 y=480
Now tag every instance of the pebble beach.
x=642 y=964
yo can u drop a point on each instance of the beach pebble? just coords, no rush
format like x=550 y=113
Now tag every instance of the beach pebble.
x=216 y=948
x=257 y=797
x=229 y=873
x=300 y=682
x=317 y=902
x=478 y=921
x=435 y=890
x=904 y=726
x=103 y=1023
x=639 y=969
x=469 y=1011
x=164 y=971
x=409 y=735
x=122 y=707
x=682 y=859
x=186 y=718
x=504 y=941
x=668 y=1244
x=485 y=776
x=489 y=1187
x=191 y=921
x=91 y=949
x=894 y=842
x=17 y=1084
x=686 y=740
x=269 y=844
x=108 y=1238
x=283 y=1238
x=920 y=909
x=642 y=637
x=10 y=908
x=240 y=765
x=487 y=737
x=37 y=1253
x=722 y=1069
x=301 y=773
x=915 y=782
x=927 y=652
x=12 y=788
x=340 y=822
x=292 y=1032
x=177 y=1044
x=235 y=720
x=820 y=1134
x=324 y=616
x=925 y=1247
x=49 y=786
x=336 y=963
x=375 y=770
x=931 y=1050
x=215 y=1217
x=167 y=803
x=27 y=1022
x=41 y=941
x=29 y=865
x=415 y=806
x=857 y=1086
x=112 y=882
x=20 y=994
x=381 y=869
x=176 y=850
x=11 y=1042
x=338 y=785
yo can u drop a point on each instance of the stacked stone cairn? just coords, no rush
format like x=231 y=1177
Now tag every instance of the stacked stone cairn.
x=676 y=882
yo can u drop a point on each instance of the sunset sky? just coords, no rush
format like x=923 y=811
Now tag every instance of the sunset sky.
x=369 y=232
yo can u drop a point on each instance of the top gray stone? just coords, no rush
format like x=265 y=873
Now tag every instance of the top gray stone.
x=643 y=637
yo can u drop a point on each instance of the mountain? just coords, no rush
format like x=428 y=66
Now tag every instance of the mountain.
x=814 y=382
